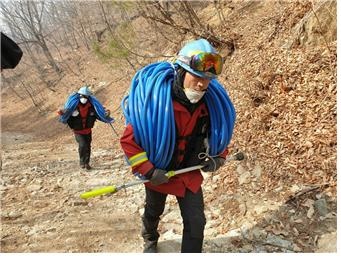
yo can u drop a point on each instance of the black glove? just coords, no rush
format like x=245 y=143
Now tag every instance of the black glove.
x=158 y=177
x=107 y=112
x=213 y=164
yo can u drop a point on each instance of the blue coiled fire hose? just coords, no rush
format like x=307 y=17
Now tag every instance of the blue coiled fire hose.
x=149 y=109
x=72 y=102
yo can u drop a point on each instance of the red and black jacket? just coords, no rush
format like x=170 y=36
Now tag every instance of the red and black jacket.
x=185 y=154
x=85 y=120
x=192 y=125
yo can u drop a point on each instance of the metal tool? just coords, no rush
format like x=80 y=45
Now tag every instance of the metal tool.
x=113 y=189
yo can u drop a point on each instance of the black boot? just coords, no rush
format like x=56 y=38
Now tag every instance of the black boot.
x=150 y=246
x=150 y=235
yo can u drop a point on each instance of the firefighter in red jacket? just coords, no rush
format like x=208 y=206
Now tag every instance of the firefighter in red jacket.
x=192 y=124
x=82 y=120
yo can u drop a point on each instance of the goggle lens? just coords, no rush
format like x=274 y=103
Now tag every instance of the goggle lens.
x=207 y=62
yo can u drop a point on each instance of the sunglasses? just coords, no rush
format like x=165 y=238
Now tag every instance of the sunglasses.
x=204 y=62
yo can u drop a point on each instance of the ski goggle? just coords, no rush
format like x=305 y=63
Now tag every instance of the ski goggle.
x=207 y=62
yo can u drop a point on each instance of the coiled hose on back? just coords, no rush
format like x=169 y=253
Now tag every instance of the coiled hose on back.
x=72 y=102
x=149 y=109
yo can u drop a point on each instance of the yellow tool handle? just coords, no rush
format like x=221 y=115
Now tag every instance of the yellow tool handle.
x=98 y=192
x=170 y=174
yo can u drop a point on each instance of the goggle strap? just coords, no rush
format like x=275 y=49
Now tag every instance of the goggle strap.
x=185 y=59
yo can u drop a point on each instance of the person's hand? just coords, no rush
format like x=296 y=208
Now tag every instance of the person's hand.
x=213 y=164
x=158 y=177
x=107 y=112
x=60 y=112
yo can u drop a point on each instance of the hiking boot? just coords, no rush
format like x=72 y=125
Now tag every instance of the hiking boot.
x=150 y=247
x=87 y=166
x=82 y=166
x=150 y=234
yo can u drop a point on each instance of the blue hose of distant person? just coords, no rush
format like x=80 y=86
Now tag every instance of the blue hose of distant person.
x=72 y=103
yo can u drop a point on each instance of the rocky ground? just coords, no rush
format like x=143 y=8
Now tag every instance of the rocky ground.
x=41 y=210
x=282 y=198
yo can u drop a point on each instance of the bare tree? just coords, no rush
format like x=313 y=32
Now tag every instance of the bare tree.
x=27 y=17
x=181 y=16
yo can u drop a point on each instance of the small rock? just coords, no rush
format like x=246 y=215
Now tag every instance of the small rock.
x=276 y=240
x=246 y=248
x=33 y=231
x=170 y=235
x=14 y=215
x=102 y=83
x=240 y=169
x=310 y=212
x=260 y=209
x=234 y=233
x=244 y=178
x=321 y=206
x=52 y=229
x=295 y=231
x=242 y=208
x=34 y=188
x=308 y=203
x=211 y=232
x=329 y=215
x=257 y=171
x=258 y=233
x=278 y=189
x=169 y=246
x=70 y=240
x=78 y=203
x=327 y=243
x=294 y=188
x=215 y=179
x=319 y=196
x=296 y=248
x=171 y=216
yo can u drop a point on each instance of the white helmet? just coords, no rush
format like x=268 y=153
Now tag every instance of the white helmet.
x=85 y=91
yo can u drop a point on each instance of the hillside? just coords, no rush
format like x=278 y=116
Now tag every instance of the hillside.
x=281 y=77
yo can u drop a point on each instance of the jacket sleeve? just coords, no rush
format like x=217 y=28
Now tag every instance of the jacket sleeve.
x=224 y=154
x=137 y=157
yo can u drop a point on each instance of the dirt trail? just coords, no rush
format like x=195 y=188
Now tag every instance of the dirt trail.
x=247 y=206
x=40 y=189
x=42 y=212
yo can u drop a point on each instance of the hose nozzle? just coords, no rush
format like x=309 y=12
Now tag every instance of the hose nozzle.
x=239 y=156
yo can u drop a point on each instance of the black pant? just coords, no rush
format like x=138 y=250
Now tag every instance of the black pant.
x=192 y=212
x=84 y=147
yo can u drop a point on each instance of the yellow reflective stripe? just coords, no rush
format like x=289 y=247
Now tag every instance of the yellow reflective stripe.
x=139 y=162
x=137 y=155
x=138 y=159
